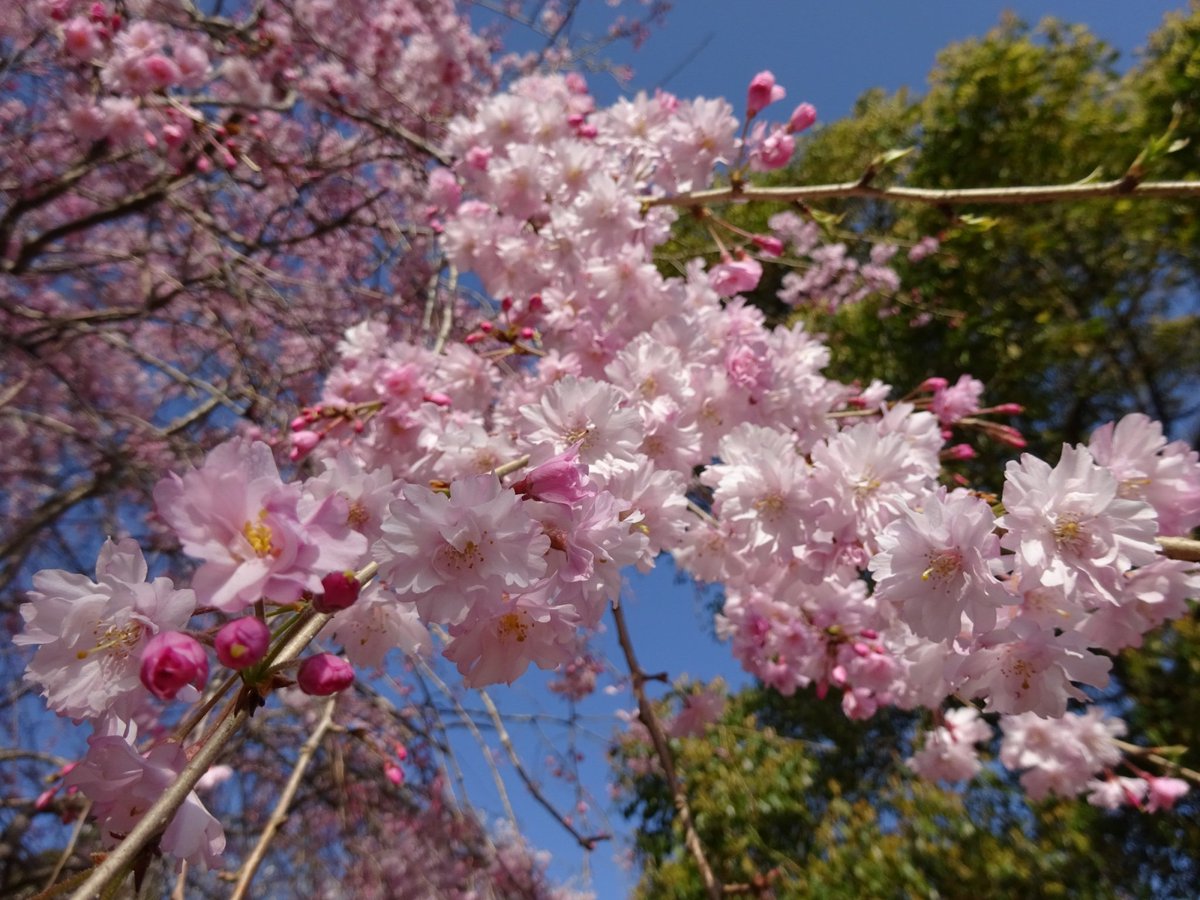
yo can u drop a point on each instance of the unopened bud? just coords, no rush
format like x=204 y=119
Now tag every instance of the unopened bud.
x=170 y=661
x=324 y=674
x=242 y=642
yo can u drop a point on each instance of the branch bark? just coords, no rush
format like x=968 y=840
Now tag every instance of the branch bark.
x=1010 y=196
x=658 y=737
x=279 y=814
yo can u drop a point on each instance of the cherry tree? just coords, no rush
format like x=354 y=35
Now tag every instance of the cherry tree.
x=422 y=280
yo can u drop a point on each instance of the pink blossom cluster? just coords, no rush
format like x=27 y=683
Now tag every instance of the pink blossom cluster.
x=593 y=414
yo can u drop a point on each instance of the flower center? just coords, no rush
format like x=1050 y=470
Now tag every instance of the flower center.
x=1069 y=533
x=514 y=625
x=116 y=638
x=258 y=535
x=942 y=565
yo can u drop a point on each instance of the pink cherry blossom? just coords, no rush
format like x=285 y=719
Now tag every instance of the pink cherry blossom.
x=122 y=785
x=90 y=634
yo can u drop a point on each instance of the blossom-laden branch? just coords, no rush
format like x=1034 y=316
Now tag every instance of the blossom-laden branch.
x=159 y=816
x=862 y=188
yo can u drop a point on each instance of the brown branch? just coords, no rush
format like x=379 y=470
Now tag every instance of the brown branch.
x=1150 y=756
x=1008 y=196
x=159 y=816
x=658 y=737
x=279 y=814
x=587 y=842
x=1180 y=548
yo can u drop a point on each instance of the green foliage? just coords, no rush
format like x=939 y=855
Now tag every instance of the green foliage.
x=790 y=792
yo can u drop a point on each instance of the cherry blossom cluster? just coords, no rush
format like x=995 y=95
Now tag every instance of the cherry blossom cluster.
x=591 y=414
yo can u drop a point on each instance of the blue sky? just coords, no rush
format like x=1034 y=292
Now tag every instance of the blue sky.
x=827 y=54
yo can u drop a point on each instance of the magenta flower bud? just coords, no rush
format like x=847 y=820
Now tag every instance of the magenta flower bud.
x=959 y=451
x=170 y=661
x=802 y=117
x=324 y=674
x=933 y=384
x=243 y=642
x=1008 y=409
x=341 y=590
x=763 y=91
x=772 y=246
x=560 y=479
x=304 y=441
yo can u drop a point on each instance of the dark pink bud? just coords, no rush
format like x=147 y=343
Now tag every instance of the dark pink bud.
x=394 y=774
x=536 y=303
x=170 y=661
x=506 y=304
x=560 y=479
x=587 y=130
x=772 y=246
x=959 y=451
x=763 y=91
x=324 y=674
x=933 y=384
x=304 y=441
x=341 y=590
x=243 y=642
x=486 y=327
x=473 y=338
x=44 y=798
x=1008 y=435
x=869 y=633
x=527 y=333
x=802 y=117
x=1008 y=409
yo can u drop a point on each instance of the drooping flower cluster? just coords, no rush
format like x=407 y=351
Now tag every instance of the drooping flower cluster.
x=600 y=413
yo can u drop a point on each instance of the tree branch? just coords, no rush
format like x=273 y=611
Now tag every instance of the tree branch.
x=279 y=814
x=1008 y=196
x=649 y=718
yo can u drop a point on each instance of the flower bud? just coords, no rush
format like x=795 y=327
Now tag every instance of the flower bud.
x=341 y=589
x=763 y=91
x=802 y=117
x=324 y=674
x=170 y=661
x=243 y=642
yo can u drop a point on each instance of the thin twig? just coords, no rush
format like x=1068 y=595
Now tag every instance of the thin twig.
x=1008 y=196
x=587 y=842
x=1150 y=756
x=1180 y=548
x=658 y=737
x=279 y=814
x=497 y=778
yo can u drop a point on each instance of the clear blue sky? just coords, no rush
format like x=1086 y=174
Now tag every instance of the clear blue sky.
x=827 y=54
